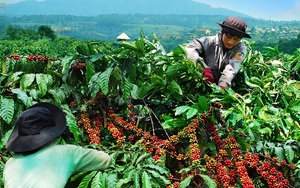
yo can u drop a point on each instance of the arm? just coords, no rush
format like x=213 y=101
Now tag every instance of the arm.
x=232 y=67
x=194 y=50
x=89 y=159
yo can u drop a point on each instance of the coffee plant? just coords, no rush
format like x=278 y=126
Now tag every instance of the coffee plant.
x=152 y=112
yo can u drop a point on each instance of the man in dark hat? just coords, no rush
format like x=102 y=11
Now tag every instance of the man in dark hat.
x=38 y=162
x=222 y=54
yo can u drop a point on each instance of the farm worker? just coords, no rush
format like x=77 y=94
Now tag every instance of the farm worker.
x=38 y=162
x=222 y=54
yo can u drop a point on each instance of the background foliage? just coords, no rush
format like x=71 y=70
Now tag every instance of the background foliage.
x=171 y=29
x=151 y=110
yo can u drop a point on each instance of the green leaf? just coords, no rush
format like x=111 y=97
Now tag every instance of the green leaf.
x=141 y=158
x=210 y=182
x=279 y=152
x=295 y=108
x=146 y=180
x=265 y=130
x=81 y=49
x=124 y=183
x=186 y=182
x=87 y=180
x=90 y=70
x=250 y=133
x=14 y=78
x=5 y=138
x=259 y=146
x=135 y=92
x=26 y=81
x=212 y=146
x=34 y=93
x=96 y=182
x=136 y=179
x=104 y=80
x=135 y=156
x=174 y=70
x=127 y=44
x=112 y=180
x=159 y=178
x=140 y=47
x=103 y=180
x=175 y=123
x=7 y=110
x=67 y=89
x=161 y=170
x=264 y=114
x=73 y=127
x=191 y=113
x=175 y=87
x=94 y=85
x=203 y=104
x=289 y=153
x=58 y=95
x=130 y=172
x=253 y=85
x=77 y=176
x=23 y=97
x=157 y=80
x=126 y=89
x=181 y=109
x=67 y=63
x=42 y=81
x=96 y=57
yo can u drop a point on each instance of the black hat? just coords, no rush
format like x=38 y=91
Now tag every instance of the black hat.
x=35 y=127
x=235 y=26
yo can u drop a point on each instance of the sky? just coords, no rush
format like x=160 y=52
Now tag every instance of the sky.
x=279 y=10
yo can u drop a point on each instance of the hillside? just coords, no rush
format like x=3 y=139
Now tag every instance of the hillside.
x=98 y=7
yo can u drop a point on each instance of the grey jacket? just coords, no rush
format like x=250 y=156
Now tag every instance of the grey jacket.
x=209 y=51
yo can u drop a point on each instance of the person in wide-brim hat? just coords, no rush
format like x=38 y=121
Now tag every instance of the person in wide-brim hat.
x=235 y=26
x=220 y=55
x=38 y=160
x=36 y=127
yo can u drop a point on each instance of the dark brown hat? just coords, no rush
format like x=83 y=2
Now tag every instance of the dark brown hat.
x=235 y=26
x=35 y=127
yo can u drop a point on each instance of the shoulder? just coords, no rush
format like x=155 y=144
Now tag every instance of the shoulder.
x=208 y=39
x=241 y=47
x=239 y=52
x=79 y=150
x=67 y=148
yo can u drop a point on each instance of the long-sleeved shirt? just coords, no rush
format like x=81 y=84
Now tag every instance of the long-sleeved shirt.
x=224 y=64
x=52 y=166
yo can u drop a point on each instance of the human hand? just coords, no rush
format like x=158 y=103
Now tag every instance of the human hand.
x=207 y=75
x=223 y=87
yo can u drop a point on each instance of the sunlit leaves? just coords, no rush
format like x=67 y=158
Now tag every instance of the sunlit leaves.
x=27 y=80
x=43 y=81
x=7 y=109
x=90 y=70
x=99 y=81
x=23 y=97
x=210 y=182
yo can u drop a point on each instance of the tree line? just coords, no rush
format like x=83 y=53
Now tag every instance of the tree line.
x=109 y=27
x=13 y=33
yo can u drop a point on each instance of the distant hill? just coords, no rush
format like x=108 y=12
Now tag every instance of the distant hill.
x=99 y=7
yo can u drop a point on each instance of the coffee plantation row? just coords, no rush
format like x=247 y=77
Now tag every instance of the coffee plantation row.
x=152 y=112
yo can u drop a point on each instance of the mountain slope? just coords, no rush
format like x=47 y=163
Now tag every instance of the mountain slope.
x=98 y=7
